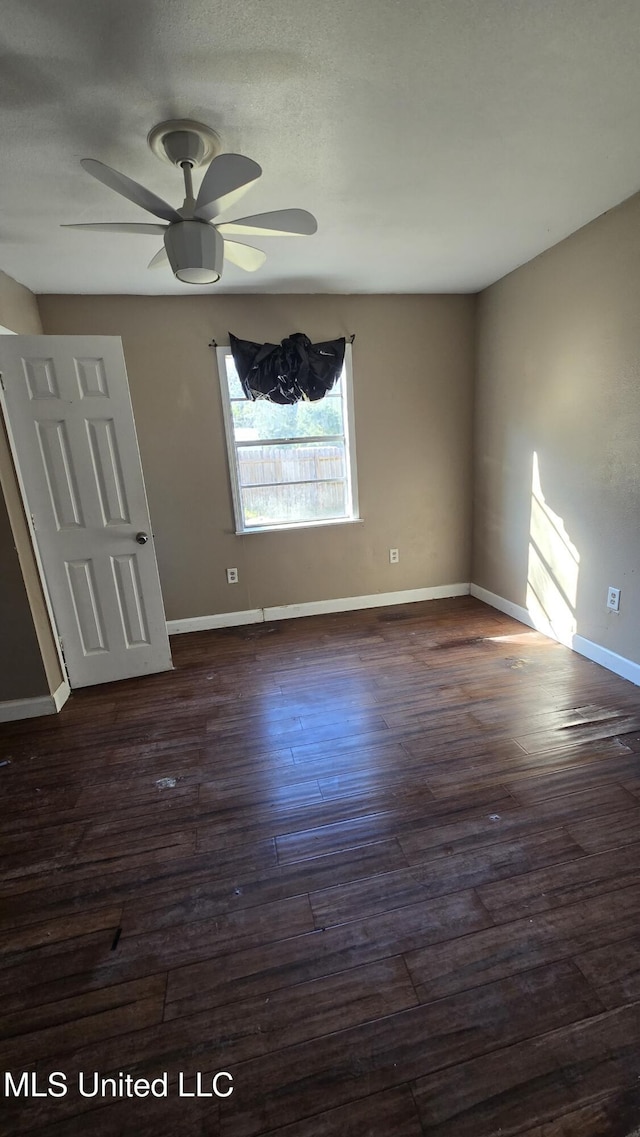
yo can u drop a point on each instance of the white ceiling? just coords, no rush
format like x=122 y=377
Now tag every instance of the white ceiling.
x=440 y=143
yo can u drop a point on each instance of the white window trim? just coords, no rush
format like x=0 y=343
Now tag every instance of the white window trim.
x=350 y=447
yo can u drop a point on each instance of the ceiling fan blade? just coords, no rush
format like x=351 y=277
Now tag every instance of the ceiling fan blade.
x=244 y=256
x=118 y=227
x=130 y=189
x=278 y=223
x=159 y=259
x=227 y=178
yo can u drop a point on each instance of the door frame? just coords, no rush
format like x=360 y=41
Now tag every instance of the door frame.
x=15 y=457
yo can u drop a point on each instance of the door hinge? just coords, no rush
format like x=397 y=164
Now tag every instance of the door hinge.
x=62 y=648
x=2 y=382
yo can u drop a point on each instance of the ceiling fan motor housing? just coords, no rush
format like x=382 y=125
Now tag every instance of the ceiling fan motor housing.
x=195 y=251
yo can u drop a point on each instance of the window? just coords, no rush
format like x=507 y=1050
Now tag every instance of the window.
x=290 y=465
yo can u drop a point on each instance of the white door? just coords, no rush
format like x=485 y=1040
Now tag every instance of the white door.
x=74 y=440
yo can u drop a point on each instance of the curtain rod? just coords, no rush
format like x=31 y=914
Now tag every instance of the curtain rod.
x=351 y=339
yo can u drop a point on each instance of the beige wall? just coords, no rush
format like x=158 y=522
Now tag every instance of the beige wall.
x=559 y=377
x=413 y=373
x=18 y=307
x=22 y=674
x=28 y=658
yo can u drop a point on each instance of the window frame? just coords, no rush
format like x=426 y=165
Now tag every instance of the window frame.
x=232 y=453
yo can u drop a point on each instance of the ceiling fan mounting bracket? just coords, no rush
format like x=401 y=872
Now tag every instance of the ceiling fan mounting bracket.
x=182 y=140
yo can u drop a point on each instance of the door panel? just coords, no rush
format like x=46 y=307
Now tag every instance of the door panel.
x=92 y=380
x=129 y=589
x=60 y=474
x=72 y=430
x=87 y=612
x=108 y=472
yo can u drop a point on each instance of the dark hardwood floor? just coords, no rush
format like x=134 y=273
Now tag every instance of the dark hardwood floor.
x=383 y=867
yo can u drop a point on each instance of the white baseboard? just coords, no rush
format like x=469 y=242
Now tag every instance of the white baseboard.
x=15 y=709
x=221 y=620
x=499 y=602
x=27 y=708
x=375 y=600
x=61 y=695
x=314 y=608
x=626 y=668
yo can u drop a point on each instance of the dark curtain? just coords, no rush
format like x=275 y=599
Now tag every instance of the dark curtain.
x=290 y=371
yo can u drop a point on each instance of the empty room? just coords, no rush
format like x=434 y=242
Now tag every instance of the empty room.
x=320 y=569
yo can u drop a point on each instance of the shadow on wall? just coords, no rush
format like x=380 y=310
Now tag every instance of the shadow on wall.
x=553 y=568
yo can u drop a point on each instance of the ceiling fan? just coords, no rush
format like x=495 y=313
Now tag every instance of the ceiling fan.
x=194 y=243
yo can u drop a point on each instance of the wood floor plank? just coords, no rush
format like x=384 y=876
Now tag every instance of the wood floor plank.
x=152 y=1118
x=364 y=781
x=594 y=773
x=18 y=846
x=49 y=1015
x=612 y=1115
x=380 y=1115
x=354 y=1063
x=363 y=826
x=140 y=1007
x=386 y=891
x=509 y=821
x=44 y=974
x=541 y=1078
x=546 y=888
x=300 y=958
x=219 y=828
x=135 y=956
x=51 y=931
x=121 y=876
x=114 y=839
x=600 y=833
x=314 y=1008
x=173 y=906
x=74 y=1115
x=215 y=798
x=493 y=767
x=148 y=878
x=610 y=727
x=614 y=971
x=143 y=794
x=505 y=949
x=204 y=939
x=180 y=803
x=258 y=1026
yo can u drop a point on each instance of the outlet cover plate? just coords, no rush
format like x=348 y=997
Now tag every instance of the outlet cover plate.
x=613 y=599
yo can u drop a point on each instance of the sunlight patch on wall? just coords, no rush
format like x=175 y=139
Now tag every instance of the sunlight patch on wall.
x=553 y=568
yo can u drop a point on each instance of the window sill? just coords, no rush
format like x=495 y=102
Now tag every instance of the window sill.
x=294 y=526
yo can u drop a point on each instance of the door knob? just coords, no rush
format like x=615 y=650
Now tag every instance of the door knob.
x=142 y=538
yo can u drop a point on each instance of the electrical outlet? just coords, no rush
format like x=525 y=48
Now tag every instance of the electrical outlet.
x=232 y=576
x=394 y=556
x=613 y=599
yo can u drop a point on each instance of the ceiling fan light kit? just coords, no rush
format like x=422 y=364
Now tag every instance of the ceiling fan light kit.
x=195 y=252
x=194 y=246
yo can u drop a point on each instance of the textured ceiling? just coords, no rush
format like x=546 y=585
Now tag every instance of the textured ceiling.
x=440 y=143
